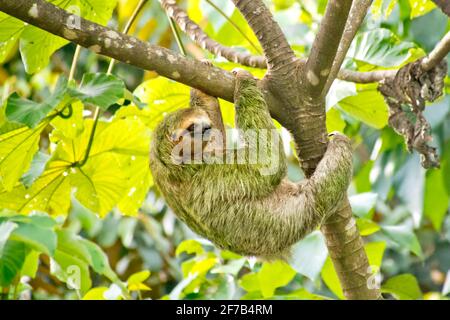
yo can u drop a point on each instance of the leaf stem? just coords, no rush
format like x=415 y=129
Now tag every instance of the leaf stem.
x=126 y=29
x=73 y=68
x=223 y=14
x=177 y=36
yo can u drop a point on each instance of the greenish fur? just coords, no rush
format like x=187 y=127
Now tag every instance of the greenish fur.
x=237 y=207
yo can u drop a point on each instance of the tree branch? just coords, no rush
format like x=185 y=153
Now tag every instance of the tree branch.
x=354 y=21
x=276 y=48
x=439 y=52
x=325 y=46
x=128 y=49
x=197 y=35
x=444 y=5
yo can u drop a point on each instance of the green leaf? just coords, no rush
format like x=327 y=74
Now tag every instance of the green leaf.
x=129 y=140
x=18 y=145
x=37 y=167
x=162 y=96
x=6 y=228
x=274 y=275
x=96 y=294
x=366 y=226
x=250 y=282
x=420 y=7
x=71 y=126
x=37 y=46
x=233 y=267
x=36 y=237
x=100 y=184
x=138 y=278
x=99 y=89
x=190 y=247
x=31 y=113
x=367 y=106
x=12 y=259
x=339 y=91
x=335 y=121
x=363 y=203
x=99 y=260
x=309 y=255
x=71 y=270
x=31 y=264
x=436 y=201
x=380 y=47
x=404 y=237
x=50 y=193
x=410 y=187
x=403 y=287
x=10 y=32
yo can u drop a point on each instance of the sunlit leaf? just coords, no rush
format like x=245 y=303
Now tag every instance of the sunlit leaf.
x=162 y=96
x=274 y=275
x=190 y=247
x=50 y=193
x=420 y=7
x=31 y=264
x=367 y=106
x=18 y=145
x=10 y=32
x=366 y=226
x=403 y=287
x=96 y=294
x=73 y=125
x=97 y=186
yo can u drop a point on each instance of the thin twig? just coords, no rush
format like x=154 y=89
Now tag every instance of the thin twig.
x=196 y=34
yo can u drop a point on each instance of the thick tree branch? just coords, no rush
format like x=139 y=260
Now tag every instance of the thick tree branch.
x=325 y=46
x=354 y=21
x=444 y=5
x=202 y=39
x=108 y=42
x=276 y=48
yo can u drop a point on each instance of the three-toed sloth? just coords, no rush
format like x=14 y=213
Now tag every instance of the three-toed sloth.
x=224 y=195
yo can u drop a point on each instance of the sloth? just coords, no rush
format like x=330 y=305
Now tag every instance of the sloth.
x=242 y=205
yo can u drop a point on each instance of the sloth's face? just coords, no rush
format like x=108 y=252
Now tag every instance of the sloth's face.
x=190 y=135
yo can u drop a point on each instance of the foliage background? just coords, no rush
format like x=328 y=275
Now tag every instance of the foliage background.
x=125 y=243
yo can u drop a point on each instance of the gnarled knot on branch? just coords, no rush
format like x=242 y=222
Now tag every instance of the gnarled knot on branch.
x=406 y=94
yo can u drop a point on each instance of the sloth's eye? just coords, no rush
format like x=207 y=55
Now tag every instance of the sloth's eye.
x=198 y=127
x=191 y=128
x=205 y=128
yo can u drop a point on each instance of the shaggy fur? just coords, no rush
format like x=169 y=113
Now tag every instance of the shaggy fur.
x=234 y=205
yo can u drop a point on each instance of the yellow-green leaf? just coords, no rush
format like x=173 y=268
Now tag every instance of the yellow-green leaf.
x=96 y=294
x=18 y=144
x=274 y=275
